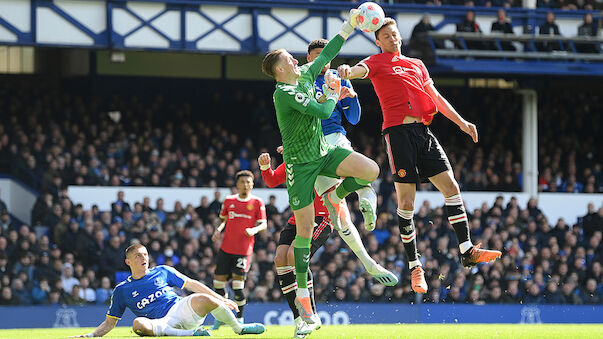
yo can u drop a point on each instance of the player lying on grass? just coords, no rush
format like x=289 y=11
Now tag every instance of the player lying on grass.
x=306 y=152
x=284 y=258
x=149 y=294
x=409 y=101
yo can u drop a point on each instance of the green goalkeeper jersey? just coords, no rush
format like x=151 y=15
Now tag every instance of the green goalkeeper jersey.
x=299 y=114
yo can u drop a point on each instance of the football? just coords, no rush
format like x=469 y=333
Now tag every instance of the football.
x=371 y=17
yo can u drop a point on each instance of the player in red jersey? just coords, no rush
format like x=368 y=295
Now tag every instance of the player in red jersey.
x=409 y=101
x=243 y=215
x=284 y=258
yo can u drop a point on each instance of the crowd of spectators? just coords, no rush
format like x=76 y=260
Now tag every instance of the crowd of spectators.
x=545 y=4
x=60 y=139
x=67 y=254
x=77 y=255
x=502 y=24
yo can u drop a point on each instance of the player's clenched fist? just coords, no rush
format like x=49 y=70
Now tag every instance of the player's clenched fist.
x=345 y=71
x=332 y=85
x=264 y=161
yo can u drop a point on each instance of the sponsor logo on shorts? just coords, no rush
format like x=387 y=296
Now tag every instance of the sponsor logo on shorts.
x=401 y=173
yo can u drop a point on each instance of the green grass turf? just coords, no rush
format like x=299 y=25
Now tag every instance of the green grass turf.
x=414 y=331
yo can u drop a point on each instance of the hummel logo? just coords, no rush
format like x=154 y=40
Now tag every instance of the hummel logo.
x=134 y=294
x=306 y=258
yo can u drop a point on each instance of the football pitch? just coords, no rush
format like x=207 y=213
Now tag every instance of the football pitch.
x=414 y=331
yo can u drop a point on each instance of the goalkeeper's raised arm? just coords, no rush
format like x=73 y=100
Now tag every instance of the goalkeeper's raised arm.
x=334 y=46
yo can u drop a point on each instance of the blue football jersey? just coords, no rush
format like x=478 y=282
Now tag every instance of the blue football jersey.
x=151 y=296
x=350 y=107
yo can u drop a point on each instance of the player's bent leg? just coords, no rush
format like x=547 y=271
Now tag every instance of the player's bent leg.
x=457 y=216
x=143 y=326
x=358 y=166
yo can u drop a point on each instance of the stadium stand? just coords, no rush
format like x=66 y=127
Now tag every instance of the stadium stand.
x=80 y=144
x=65 y=251
x=82 y=256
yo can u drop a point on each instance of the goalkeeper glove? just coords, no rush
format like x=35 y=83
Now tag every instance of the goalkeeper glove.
x=348 y=26
x=332 y=86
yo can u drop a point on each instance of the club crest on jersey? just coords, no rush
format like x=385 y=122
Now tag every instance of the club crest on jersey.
x=158 y=281
x=250 y=207
x=299 y=97
x=302 y=99
x=231 y=206
x=401 y=173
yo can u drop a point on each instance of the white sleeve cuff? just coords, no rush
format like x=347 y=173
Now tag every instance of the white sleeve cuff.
x=264 y=167
x=365 y=67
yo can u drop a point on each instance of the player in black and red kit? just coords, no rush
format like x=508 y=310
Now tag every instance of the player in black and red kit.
x=409 y=102
x=243 y=215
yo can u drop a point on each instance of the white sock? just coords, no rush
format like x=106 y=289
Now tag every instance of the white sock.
x=465 y=246
x=302 y=292
x=223 y=314
x=414 y=263
x=160 y=329
x=350 y=235
x=368 y=193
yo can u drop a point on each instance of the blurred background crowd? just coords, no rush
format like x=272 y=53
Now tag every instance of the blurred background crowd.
x=68 y=255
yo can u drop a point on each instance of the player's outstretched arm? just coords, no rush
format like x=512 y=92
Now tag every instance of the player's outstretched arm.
x=356 y=72
x=334 y=46
x=102 y=329
x=449 y=112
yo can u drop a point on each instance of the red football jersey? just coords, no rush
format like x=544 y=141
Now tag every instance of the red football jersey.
x=240 y=214
x=278 y=176
x=400 y=84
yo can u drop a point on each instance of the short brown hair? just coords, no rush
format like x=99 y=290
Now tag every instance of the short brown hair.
x=244 y=173
x=133 y=248
x=270 y=60
x=318 y=43
x=388 y=21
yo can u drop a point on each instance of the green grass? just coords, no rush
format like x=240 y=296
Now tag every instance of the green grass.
x=414 y=331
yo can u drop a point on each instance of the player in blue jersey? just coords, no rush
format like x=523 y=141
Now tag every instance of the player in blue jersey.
x=149 y=294
x=335 y=134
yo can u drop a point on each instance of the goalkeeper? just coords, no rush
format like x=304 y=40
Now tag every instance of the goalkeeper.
x=306 y=152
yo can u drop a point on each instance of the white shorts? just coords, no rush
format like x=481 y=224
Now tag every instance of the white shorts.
x=322 y=183
x=182 y=316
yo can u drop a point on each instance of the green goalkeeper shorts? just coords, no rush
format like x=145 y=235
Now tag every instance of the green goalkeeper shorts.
x=301 y=177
